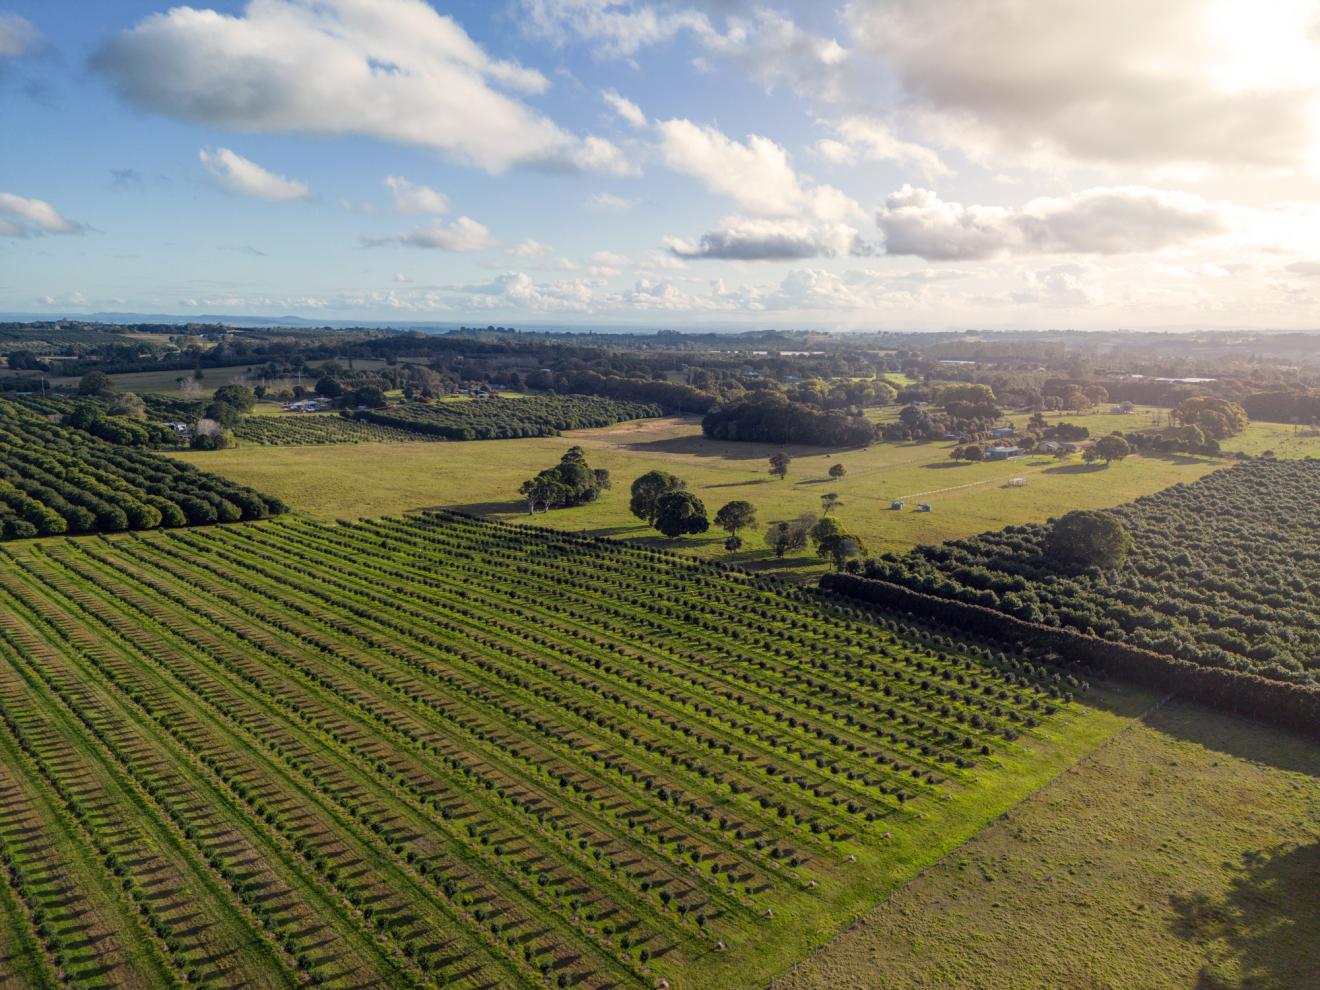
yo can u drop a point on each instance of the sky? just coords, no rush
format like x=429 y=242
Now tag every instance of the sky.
x=872 y=164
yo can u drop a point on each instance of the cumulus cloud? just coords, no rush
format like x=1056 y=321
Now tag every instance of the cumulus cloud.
x=23 y=217
x=17 y=35
x=411 y=197
x=759 y=239
x=756 y=174
x=1128 y=81
x=463 y=235
x=1095 y=221
x=395 y=70
x=625 y=108
x=247 y=178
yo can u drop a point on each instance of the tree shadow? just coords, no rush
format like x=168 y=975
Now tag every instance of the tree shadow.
x=946 y=465
x=484 y=508
x=739 y=484
x=1267 y=927
x=1076 y=469
x=1238 y=736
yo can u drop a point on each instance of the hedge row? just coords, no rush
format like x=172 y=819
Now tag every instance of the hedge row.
x=1288 y=706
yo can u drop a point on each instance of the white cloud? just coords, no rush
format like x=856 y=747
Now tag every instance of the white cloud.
x=23 y=217
x=1307 y=269
x=756 y=174
x=596 y=154
x=247 y=178
x=625 y=108
x=609 y=258
x=761 y=239
x=530 y=249
x=411 y=197
x=835 y=152
x=774 y=50
x=1128 y=81
x=766 y=44
x=395 y=70
x=873 y=140
x=613 y=27
x=609 y=203
x=17 y=35
x=463 y=235
x=1095 y=221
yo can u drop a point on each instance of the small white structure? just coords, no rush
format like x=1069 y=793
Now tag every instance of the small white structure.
x=1016 y=482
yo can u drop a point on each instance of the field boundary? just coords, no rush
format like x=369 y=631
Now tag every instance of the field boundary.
x=1052 y=782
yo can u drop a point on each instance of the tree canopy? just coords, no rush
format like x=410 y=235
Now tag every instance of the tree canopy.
x=679 y=513
x=647 y=491
x=570 y=482
x=734 y=516
x=1089 y=539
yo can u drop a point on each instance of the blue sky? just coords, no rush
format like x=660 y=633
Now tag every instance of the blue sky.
x=876 y=163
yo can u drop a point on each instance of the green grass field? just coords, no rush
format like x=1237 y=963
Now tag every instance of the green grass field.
x=441 y=752
x=482 y=477
x=1185 y=853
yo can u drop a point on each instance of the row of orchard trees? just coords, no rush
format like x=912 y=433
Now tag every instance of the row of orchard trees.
x=55 y=480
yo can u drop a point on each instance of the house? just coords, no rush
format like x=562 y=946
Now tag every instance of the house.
x=1002 y=433
x=1003 y=453
x=896 y=505
x=1070 y=448
x=1048 y=447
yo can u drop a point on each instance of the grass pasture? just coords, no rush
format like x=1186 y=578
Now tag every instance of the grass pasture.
x=1183 y=854
x=442 y=752
x=482 y=477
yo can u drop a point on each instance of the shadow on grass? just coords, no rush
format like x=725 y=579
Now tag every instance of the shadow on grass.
x=1239 y=737
x=739 y=484
x=1267 y=925
x=1076 y=469
x=945 y=465
x=486 y=508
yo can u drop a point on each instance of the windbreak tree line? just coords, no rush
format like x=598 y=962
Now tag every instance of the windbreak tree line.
x=57 y=480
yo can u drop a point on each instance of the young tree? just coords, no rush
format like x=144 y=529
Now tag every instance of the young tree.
x=1107 y=449
x=734 y=516
x=1089 y=539
x=779 y=465
x=648 y=490
x=829 y=502
x=680 y=513
x=791 y=535
x=837 y=471
x=841 y=548
x=733 y=544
